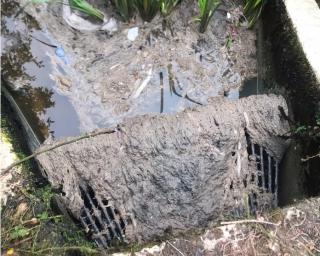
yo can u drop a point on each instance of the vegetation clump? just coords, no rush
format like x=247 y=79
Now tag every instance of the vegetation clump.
x=253 y=9
x=147 y=8
x=207 y=9
x=167 y=6
x=84 y=7
x=125 y=8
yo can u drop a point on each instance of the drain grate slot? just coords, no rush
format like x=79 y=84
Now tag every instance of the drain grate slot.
x=266 y=177
x=100 y=219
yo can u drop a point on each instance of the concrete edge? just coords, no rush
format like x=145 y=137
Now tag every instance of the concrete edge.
x=305 y=17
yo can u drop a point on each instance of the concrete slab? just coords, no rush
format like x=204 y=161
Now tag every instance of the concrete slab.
x=305 y=17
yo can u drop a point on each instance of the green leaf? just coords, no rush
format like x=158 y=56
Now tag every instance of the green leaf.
x=85 y=7
x=229 y=42
x=125 y=8
x=207 y=9
x=43 y=216
x=147 y=8
x=19 y=232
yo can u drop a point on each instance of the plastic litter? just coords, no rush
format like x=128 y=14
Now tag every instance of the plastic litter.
x=133 y=33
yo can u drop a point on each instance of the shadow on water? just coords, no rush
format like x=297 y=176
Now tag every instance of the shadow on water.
x=26 y=72
x=171 y=96
x=249 y=87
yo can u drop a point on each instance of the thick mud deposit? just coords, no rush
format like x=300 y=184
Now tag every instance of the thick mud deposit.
x=170 y=173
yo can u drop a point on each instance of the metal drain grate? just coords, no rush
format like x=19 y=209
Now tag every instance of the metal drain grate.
x=101 y=219
x=267 y=176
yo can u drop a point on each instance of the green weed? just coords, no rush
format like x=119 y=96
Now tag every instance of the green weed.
x=147 y=8
x=207 y=9
x=85 y=7
x=125 y=8
x=229 y=42
x=167 y=6
x=19 y=232
x=253 y=9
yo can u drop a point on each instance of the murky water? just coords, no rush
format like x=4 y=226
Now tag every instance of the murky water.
x=26 y=66
x=86 y=88
x=250 y=87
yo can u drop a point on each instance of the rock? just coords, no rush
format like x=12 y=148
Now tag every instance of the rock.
x=169 y=173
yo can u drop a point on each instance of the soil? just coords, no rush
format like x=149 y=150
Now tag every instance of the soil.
x=294 y=230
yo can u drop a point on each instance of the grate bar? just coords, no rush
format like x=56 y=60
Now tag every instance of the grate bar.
x=96 y=229
x=276 y=184
x=270 y=173
x=267 y=175
x=109 y=220
x=101 y=218
x=262 y=169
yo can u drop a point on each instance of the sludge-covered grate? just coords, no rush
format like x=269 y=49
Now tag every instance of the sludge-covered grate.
x=266 y=177
x=100 y=219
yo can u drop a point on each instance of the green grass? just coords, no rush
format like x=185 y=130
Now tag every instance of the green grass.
x=85 y=7
x=253 y=9
x=207 y=9
x=167 y=6
x=147 y=8
x=125 y=9
x=39 y=229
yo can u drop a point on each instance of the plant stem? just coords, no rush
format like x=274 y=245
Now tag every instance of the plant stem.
x=41 y=151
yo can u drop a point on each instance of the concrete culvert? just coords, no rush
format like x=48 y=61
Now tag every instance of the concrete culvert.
x=172 y=173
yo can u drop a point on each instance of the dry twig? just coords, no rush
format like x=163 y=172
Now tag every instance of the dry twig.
x=175 y=248
x=249 y=221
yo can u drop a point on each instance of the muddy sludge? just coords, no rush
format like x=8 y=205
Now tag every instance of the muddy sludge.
x=171 y=173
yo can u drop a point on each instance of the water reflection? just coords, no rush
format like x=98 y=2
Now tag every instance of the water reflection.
x=26 y=70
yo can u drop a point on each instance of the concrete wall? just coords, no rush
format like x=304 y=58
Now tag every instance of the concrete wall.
x=305 y=17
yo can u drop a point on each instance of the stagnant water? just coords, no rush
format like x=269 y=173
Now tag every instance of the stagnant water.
x=25 y=61
x=33 y=74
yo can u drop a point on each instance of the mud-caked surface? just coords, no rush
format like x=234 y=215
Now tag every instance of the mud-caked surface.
x=174 y=172
x=168 y=67
x=294 y=230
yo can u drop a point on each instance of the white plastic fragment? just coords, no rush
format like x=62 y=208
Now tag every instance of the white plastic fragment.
x=110 y=26
x=133 y=33
x=143 y=84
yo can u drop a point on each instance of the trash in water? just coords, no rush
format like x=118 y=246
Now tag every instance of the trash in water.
x=60 y=52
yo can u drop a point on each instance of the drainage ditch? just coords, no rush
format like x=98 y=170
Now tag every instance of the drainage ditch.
x=101 y=217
